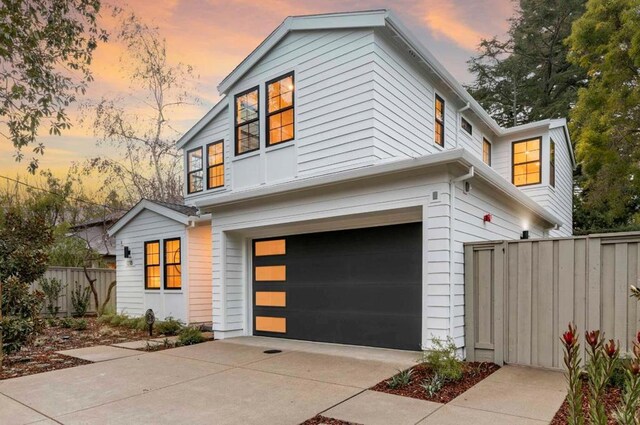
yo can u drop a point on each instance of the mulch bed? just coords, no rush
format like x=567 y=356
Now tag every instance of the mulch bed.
x=323 y=420
x=40 y=355
x=473 y=373
x=611 y=399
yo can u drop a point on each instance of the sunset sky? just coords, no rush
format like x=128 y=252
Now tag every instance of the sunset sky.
x=215 y=35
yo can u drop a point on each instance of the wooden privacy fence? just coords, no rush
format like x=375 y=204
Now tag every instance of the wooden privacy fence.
x=520 y=295
x=72 y=276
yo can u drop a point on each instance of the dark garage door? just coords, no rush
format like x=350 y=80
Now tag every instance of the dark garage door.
x=361 y=287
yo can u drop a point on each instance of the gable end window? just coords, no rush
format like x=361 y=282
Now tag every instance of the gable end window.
x=152 y=265
x=247 y=121
x=172 y=264
x=526 y=162
x=439 y=121
x=486 y=151
x=466 y=126
x=280 y=110
x=552 y=164
x=215 y=164
x=194 y=170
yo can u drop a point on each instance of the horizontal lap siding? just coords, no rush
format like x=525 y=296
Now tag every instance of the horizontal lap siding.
x=200 y=301
x=146 y=226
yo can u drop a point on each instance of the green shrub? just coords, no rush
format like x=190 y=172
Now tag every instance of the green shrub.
x=169 y=326
x=66 y=322
x=618 y=375
x=52 y=288
x=432 y=385
x=105 y=319
x=443 y=361
x=190 y=336
x=403 y=378
x=79 y=324
x=118 y=319
x=21 y=314
x=80 y=300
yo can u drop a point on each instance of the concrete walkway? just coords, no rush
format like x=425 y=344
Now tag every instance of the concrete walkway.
x=236 y=382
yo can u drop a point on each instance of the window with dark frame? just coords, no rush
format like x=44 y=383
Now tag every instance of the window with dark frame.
x=439 y=121
x=172 y=264
x=152 y=265
x=526 y=162
x=466 y=125
x=552 y=164
x=215 y=164
x=486 y=151
x=280 y=109
x=247 y=121
x=194 y=171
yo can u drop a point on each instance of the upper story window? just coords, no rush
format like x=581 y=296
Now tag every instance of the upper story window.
x=439 y=124
x=466 y=126
x=526 y=162
x=486 y=151
x=152 y=265
x=247 y=121
x=280 y=108
x=172 y=264
x=194 y=170
x=552 y=164
x=215 y=164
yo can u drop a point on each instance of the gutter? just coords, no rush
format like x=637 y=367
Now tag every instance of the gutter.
x=452 y=235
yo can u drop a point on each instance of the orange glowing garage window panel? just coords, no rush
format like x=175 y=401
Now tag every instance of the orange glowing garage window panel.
x=271 y=324
x=277 y=247
x=271 y=299
x=271 y=273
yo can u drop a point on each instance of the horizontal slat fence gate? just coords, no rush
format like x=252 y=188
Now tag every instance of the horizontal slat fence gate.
x=520 y=295
x=72 y=276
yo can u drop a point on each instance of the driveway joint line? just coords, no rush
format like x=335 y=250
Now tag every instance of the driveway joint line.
x=501 y=413
x=341 y=402
x=441 y=405
x=300 y=377
x=31 y=408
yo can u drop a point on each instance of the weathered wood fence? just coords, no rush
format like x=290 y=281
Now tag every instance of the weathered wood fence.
x=520 y=295
x=72 y=276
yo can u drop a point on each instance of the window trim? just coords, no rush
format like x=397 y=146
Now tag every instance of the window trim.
x=209 y=166
x=235 y=120
x=487 y=141
x=146 y=266
x=437 y=121
x=165 y=264
x=464 y=120
x=513 y=165
x=552 y=163
x=279 y=111
x=189 y=172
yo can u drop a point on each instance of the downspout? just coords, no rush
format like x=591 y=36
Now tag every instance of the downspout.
x=458 y=116
x=452 y=232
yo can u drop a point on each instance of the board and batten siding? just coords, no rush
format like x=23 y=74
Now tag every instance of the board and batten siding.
x=132 y=299
x=199 y=250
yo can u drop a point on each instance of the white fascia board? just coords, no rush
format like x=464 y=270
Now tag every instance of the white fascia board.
x=366 y=19
x=145 y=204
x=459 y=155
x=213 y=112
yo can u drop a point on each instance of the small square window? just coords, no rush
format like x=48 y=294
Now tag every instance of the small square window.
x=466 y=126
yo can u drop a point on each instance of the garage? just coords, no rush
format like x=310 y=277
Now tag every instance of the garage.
x=359 y=287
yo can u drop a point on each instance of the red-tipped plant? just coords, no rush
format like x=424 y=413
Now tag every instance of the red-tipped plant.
x=627 y=411
x=600 y=364
x=571 y=347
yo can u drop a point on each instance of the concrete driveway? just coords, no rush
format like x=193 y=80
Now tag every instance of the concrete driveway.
x=221 y=382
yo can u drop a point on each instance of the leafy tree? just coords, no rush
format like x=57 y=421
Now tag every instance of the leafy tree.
x=528 y=77
x=45 y=52
x=148 y=164
x=606 y=119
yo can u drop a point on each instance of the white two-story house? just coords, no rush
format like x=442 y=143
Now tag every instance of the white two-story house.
x=330 y=191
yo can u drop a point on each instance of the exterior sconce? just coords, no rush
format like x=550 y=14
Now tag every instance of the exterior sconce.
x=525 y=234
x=127 y=252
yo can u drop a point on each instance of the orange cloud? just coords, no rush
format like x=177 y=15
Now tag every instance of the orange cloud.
x=444 y=19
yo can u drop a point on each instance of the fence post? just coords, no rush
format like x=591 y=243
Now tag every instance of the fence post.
x=68 y=289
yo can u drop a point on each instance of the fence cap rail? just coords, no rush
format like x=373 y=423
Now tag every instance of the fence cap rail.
x=606 y=237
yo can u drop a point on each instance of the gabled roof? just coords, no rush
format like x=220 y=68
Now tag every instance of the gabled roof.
x=176 y=212
x=362 y=19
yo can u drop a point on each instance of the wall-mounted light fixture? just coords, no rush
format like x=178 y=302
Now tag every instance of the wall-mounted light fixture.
x=127 y=252
x=525 y=234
